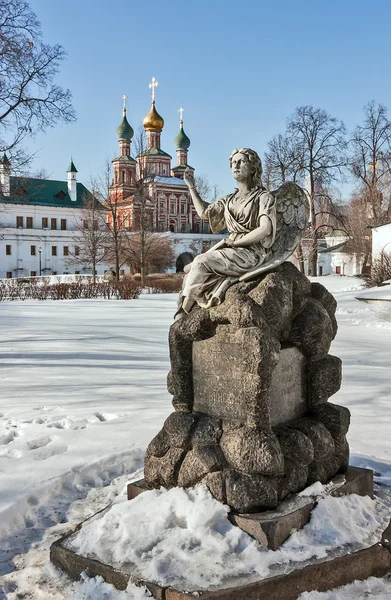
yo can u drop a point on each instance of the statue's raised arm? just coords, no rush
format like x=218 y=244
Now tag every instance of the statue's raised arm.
x=264 y=229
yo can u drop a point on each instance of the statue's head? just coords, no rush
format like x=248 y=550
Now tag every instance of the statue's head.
x=254 y=162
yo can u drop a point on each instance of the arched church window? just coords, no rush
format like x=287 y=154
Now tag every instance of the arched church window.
x=123 y=176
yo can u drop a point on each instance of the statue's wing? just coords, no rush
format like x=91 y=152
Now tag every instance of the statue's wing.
x=292 y=214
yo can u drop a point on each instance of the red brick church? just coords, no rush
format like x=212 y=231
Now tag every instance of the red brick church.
x=167 y=202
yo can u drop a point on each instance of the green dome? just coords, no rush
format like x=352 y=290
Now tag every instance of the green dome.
x=124 y=130
x=181 y=141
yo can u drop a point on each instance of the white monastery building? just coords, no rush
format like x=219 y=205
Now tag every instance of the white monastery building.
x=334 y=257
x=381 y=240
x=39 y=219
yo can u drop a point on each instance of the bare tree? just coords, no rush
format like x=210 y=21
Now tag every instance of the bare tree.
x=203 y=186
x=380 y=271
x=92 y=237
x=321 y=139
x=142 y=244
x=114 y=204
x=149 y=253
x=283 y=160
x=29 y=99
x=371 y=162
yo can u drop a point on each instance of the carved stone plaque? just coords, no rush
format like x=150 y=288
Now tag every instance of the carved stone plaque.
x=288 y=391
x=228 y=382
x=226 y=375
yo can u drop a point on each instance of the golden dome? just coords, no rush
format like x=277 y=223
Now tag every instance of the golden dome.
x=153 y=121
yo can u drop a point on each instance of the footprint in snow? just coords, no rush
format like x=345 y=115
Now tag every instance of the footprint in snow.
x=8 y=437
x=48 y=451
x=105 y=416
x=41 y=420
x=39 y=443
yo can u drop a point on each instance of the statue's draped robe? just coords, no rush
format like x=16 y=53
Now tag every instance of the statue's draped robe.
x=213 y=272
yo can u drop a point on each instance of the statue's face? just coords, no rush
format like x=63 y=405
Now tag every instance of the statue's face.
x=241 y=167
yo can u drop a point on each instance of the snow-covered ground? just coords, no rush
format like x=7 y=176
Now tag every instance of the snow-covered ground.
x=82 y=393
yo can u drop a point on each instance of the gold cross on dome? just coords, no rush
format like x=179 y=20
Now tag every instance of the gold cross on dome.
x=152 y=87
x=124 y=101
x=181 y=113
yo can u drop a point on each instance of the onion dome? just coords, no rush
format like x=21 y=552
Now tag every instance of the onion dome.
x=124 y=130
x=181 y=141
x=153 y=121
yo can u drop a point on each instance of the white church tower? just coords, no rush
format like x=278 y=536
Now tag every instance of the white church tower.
x=5 y=172
x=72 y=181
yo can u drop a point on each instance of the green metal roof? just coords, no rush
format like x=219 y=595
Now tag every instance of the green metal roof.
x=124 y=159
x=71 y=168
x=154 y=152
x=124 y=130
x=181 y=141
x=44 y=192
x=5 y=160
x=182 y=167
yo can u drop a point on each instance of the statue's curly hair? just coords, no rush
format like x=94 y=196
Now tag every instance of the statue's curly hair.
x=254 y=161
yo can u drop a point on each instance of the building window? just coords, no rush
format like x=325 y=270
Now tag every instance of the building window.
x=63 y=224
x=53 y=223
x=33 y=250
x=183 y=227
x=196 y=227
x=54 y=272
x=172 y=207
x=29 y=222
x=33 y=273
x=45 y=223
x=77 y=272
x=85 y=224
x=19 y=221
x=122 y=272
x=183 y=208
x=8 y=250
x=54 y=250
x=66 y=250
x=9 y=274
x=77 y=251
x=123 y=176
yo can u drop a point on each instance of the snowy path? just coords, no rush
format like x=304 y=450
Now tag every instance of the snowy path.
x=83 y=391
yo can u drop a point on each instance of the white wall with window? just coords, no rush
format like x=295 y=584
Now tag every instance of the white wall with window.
x=40 y=240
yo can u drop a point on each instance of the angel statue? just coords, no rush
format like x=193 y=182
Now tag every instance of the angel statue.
x=264 y=230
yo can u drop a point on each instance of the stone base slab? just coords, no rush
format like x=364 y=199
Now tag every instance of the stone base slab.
x=272 y=527
x=322 y=576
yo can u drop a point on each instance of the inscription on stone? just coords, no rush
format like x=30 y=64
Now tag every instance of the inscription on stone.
x=288 y=391
x=223 y=385
x=218 y=369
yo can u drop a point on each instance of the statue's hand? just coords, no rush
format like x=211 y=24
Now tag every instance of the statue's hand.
x=188 y=178
x=228 y=243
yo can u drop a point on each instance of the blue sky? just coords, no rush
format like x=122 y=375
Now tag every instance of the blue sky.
x=237 y=68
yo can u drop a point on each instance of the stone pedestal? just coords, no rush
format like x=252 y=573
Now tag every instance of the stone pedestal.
x=321 y=575
x=250 y=381
x=272 y=527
